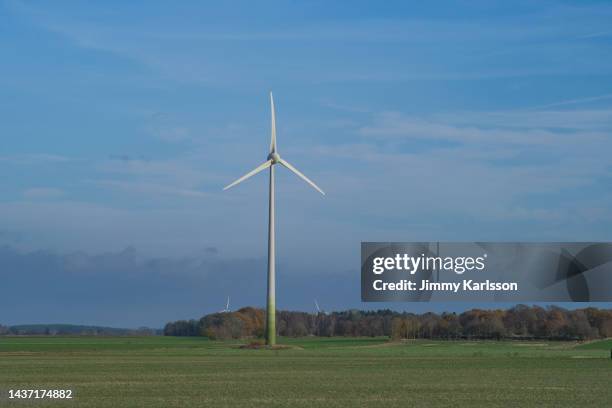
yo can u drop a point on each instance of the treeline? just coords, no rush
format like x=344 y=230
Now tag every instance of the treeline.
x=519 y=322
x=246 y=322
x=73 y=330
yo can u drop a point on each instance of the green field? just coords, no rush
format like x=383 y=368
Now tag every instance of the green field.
x=334 y=372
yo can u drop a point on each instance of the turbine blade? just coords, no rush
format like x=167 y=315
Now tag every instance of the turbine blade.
x=273 y=135
x=249 y=174
x=300 y=175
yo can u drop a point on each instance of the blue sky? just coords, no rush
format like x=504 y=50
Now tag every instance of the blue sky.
x=120 y=123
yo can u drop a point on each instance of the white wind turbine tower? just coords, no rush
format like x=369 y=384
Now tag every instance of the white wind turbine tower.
x=273 y=159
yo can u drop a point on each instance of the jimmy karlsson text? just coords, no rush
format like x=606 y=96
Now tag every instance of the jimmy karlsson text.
x=426 y=285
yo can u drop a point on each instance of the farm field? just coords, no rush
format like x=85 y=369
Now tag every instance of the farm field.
x=312 y=372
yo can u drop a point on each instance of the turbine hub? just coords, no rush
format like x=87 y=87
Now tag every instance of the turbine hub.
x=274 y=157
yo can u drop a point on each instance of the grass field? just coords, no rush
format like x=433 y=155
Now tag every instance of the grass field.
x=335 y=372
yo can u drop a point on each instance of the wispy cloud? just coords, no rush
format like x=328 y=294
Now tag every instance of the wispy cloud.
x=139 y=187
x=36 y=158
x=467 y=43
x=179 y=171
x=42 y=193
x=574 y=101
x=399 y=126
x=596 y=35
x=585 y=120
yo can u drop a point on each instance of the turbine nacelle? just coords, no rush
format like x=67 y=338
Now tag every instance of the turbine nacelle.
x=274 y=158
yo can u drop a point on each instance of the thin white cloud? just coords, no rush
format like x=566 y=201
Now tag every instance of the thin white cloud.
x=36 y=158
x=139 y=187
x=596 y=35
x=42 y=193
x=574 y=101
x=468 y=41
x=399 y=126
x=585 y=120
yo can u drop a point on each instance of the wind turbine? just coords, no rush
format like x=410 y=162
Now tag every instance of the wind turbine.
x=272 y=160
x=227 y=309
x=317 y=308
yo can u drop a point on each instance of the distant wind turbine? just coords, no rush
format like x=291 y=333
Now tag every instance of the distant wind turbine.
x=318 y=309
x=227 y=309
x=272 y=159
